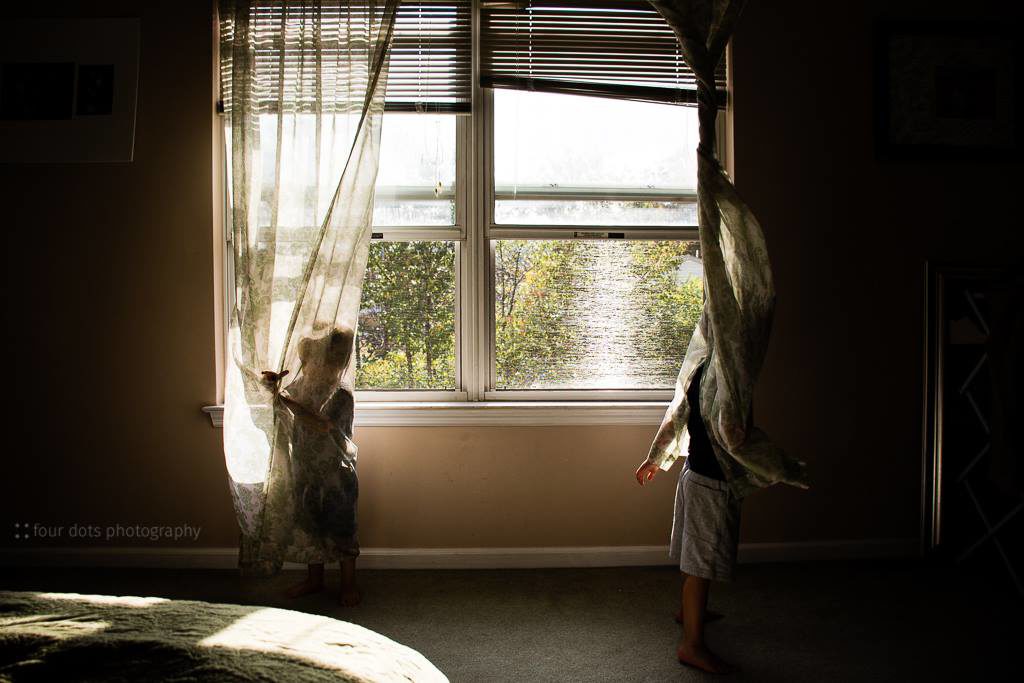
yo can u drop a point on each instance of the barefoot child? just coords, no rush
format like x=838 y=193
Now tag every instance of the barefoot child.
x=322 y=461
x=705 y=534
x=727 y=458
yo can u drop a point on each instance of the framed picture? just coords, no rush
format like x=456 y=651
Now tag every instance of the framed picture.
x=947 y=91
x=972 y=486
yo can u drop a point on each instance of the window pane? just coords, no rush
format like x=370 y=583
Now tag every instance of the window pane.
x=573 y=314
x=547 y=145
x=394 y=212
x=416 y=176
x=589 y=212
x=406 y=334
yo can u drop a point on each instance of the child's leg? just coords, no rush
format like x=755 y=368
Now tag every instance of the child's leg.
x=692 y=649
x=313 y=583
x=350 y=595
x=710 y=615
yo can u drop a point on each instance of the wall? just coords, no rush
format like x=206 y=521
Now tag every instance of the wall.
x=849 y=237
x=110 y=299
x=110 y=289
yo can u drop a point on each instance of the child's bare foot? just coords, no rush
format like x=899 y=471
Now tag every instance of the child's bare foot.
x=305 y=587
x=699 y=656
x=709 y=616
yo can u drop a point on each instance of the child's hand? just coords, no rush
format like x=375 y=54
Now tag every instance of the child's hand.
x=646 y=472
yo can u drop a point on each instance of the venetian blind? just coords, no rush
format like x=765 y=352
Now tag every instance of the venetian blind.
x=611 y=48
x=298 y=50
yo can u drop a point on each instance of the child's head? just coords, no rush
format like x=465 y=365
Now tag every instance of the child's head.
x=328 y=354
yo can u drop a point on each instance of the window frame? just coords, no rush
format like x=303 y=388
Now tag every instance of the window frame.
x=475 y=400
x=457 y=234
x=494 y=230
x=487 y=230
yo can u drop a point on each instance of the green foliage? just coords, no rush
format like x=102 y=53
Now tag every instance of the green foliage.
x=531 y=306
x=673 y=305
x=392 y=372
x=407 y=320
x=407 y=340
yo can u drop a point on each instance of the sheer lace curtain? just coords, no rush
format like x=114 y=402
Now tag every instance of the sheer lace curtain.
x=303 y=87
x=734 y=328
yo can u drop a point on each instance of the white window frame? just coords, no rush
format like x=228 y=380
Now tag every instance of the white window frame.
x=450 y=233
x=475 y=401
x=487 y=230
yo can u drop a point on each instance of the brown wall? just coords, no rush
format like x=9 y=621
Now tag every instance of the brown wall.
x=110 y=287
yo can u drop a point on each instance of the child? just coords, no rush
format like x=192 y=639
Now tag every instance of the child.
x=705 y=533
x=322 y=462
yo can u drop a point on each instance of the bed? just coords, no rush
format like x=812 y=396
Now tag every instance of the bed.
x=67 y=636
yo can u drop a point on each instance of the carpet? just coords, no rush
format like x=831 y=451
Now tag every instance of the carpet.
x=806 y=622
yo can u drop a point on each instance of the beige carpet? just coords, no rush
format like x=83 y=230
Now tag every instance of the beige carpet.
x=67 y=636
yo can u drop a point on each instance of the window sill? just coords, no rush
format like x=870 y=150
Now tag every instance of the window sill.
x=496 y=413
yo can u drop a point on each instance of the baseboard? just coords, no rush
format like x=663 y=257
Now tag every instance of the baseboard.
x=460 y=558
x=514 y=558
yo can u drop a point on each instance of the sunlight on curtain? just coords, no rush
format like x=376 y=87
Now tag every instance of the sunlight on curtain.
x=304 y=97
x=733 y=331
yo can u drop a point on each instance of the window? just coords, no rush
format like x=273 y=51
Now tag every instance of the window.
x=532 y=241
x=609 y=314
x=570 y=160
x=586 y=262
x=595 y=279
x=407 y=337
x=408 y=340
x=416 y=172
x=407 y=319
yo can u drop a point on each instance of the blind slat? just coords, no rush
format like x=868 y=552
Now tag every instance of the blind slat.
x=613 y=48
x=299 y=53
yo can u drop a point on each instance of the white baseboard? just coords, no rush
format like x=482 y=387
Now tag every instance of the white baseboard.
x=460 y=558
x=514 y=558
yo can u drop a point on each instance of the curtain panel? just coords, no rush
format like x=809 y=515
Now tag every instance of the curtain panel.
x=732 y=335
x=302 y=187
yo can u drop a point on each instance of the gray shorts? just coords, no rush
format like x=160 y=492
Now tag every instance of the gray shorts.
x=705 y=527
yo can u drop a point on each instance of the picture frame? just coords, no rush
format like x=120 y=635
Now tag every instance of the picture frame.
x=972 y=496
x=947 y=91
